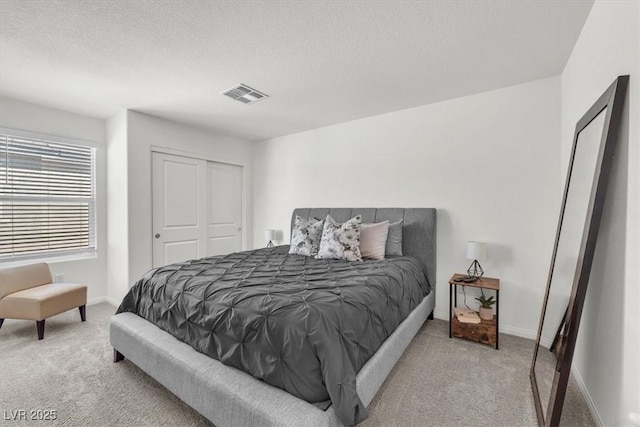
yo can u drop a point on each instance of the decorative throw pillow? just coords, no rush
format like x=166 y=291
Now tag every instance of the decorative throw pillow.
x=373 y=240
x=341 y=241
x=394 y=239
x=305 y=239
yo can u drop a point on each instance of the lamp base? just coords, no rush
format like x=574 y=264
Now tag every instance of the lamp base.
x=270 y=244
x=475 y=270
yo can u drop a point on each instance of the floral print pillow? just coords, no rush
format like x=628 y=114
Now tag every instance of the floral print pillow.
x=305 y=239
x=341 y=241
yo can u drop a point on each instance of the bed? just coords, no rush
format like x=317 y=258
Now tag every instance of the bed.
x=190 y=300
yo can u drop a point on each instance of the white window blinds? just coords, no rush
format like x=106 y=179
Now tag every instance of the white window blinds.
x=47 y=197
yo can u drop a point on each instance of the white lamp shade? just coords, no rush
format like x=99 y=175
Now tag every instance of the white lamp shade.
x=269 y=235
x=476 y=250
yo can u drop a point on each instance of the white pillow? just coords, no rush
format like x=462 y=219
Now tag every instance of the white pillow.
x=341 y=241
x=373 y=240
x=305 y=239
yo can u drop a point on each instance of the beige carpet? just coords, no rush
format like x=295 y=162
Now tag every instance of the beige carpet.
x=438 y=381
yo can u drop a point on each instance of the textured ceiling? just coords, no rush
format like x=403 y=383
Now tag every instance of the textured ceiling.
x=321 y=62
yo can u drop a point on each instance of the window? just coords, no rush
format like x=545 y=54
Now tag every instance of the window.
x=47 y=196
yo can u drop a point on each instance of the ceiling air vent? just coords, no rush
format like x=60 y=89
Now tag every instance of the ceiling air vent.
x=244 y=94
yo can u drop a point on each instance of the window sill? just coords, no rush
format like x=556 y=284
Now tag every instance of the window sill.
x=49 y=260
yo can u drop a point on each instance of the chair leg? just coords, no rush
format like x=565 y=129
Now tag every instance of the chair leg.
x=83 y=312
x=40 y=327
x=117 y=356
x=1 y=322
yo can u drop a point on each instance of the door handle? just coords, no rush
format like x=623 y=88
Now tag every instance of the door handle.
x=157 y=236
x=239 y=228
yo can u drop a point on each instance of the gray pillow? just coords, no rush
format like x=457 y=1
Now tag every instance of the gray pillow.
x=305 y=238
x=341 y=241
x=394 y=239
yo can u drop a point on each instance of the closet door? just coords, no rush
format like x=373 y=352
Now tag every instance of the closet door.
x=179 y=208
x=197 y=208
x=224 y=214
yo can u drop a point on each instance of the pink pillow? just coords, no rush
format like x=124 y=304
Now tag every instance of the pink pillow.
x=373 y=239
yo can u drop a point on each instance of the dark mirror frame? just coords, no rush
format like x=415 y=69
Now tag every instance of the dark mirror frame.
x=612 y=99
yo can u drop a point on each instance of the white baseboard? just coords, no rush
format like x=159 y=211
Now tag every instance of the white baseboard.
x=587 y=397
x=98 y=300
x=94 y=301
x=518 y=332
x=442 y=315
x=112 y=301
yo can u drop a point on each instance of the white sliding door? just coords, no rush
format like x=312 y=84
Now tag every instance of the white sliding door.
x=225 y=208
x=197 y=208
x=179 y=208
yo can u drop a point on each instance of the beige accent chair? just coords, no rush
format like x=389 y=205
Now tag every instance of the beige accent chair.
x=27 y=292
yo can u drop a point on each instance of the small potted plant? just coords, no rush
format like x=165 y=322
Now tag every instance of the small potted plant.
x=486 y=311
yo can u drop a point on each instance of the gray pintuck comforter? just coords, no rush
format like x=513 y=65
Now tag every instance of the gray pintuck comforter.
x=302 y=324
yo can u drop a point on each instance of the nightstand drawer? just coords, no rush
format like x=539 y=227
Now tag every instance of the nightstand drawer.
x=483 y=332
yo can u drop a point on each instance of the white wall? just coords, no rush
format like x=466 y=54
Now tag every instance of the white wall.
x=117 y=208
x=35 y=118
x=606 y=359
x=142 y=133
x=489 y=163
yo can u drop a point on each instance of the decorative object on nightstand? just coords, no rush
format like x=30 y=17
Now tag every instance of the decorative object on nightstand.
x=485 y=332
x=269 y=235
x=466 y=315
x=476 y=251
x=486 y=311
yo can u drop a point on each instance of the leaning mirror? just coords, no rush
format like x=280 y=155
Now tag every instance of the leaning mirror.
x=577 y=231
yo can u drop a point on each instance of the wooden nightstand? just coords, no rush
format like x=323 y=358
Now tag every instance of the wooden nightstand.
x=486 y=331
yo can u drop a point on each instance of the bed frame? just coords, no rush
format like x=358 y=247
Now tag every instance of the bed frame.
x=230 y=397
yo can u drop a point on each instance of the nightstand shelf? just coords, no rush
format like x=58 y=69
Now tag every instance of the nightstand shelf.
x=485 y=332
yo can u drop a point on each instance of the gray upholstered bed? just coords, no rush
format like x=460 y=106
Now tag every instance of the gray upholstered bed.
x=228 y=396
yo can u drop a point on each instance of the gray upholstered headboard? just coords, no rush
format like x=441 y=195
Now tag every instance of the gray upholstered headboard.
x=418 y=229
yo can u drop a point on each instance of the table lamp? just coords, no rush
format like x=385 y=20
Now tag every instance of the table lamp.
x=476 y=251
x=269 y=235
